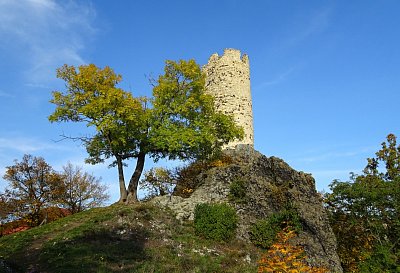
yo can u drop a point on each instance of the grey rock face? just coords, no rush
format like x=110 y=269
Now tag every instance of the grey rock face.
x=270 y=185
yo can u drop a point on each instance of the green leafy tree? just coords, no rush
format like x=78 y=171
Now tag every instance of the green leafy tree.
x=119 y=120
x=365 y=213
x=80 y=190
x=32 y=184
x=179 y=122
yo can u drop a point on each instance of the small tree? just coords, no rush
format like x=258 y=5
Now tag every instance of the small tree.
x=32 y=185
x=285 y=257
x=80 y=190
x=179 y=122
x=158 y=181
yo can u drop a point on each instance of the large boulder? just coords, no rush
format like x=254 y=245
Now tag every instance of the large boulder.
x=271 y=184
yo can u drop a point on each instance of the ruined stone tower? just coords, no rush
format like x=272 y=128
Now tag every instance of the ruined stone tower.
x=228 y=80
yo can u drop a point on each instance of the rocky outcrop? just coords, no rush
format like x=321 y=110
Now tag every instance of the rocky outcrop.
x=271 y=184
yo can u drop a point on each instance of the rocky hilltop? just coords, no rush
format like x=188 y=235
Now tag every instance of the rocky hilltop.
x=270 y=184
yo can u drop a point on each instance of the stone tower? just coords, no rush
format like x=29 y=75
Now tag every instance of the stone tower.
x=228 y=80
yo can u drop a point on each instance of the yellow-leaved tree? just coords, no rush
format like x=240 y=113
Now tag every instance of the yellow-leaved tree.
x=283 y=257
x=178 y=122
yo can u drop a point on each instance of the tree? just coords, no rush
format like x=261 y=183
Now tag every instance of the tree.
x=32 y=184
x=80 y=190
x=158 y=181
x=179 y=122
x=365 y=215
x=4 y=207
x=36 y=190
x=118 y=118
x=5 y=211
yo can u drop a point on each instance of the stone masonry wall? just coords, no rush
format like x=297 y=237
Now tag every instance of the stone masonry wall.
x=228 y=80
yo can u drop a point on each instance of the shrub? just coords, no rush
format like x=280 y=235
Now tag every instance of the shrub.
x=158 y=181
x=380 y=260
x=263 y=232
x=186 y=177
x=237 y=190
x=284 y=257
x=215 y=221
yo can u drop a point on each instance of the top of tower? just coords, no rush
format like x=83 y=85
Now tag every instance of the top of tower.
x=229 y=53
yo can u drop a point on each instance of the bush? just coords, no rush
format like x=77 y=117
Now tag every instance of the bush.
x=284 y=257
x=380 y=260
x=215 y=221
x=263 y=232
x=158 y=181
x=237 y=190
x=186 y=177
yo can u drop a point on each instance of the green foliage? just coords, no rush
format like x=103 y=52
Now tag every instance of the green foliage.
x=215 y=221
x=263 y=232
x=120 y=121
x=179 y=122
x=185 y=124
x=364 y=213
x=237 y=190
x=381 y=260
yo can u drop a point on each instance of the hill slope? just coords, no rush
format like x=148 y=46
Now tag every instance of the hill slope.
x=120 y=238
x=158 y=236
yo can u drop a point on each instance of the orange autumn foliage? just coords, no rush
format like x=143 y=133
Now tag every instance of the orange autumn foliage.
x=284 y=257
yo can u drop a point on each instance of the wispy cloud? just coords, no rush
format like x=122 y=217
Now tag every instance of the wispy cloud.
x=278 y=79
x=328 y=155
x=333 y=173
x=315 y=24
x=47 y=33
x=5 y=95
x=27 y=145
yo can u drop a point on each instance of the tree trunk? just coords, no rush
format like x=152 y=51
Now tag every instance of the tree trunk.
x=122 y=189
x=134 y=182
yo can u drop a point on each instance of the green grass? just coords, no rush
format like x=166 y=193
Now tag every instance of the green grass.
x=119 y=238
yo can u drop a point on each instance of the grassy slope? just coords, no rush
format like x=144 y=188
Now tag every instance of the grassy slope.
x=119 y=238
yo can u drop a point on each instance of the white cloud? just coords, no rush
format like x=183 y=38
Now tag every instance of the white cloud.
x=316 y=156
x=333 y=173
x=326 y=156
x=5 y=95
x=27 y=145
x=278 y=79
x=315 y=24
x=47 y=33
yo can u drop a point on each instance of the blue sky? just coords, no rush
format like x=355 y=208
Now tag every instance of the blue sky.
x=325 y=75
